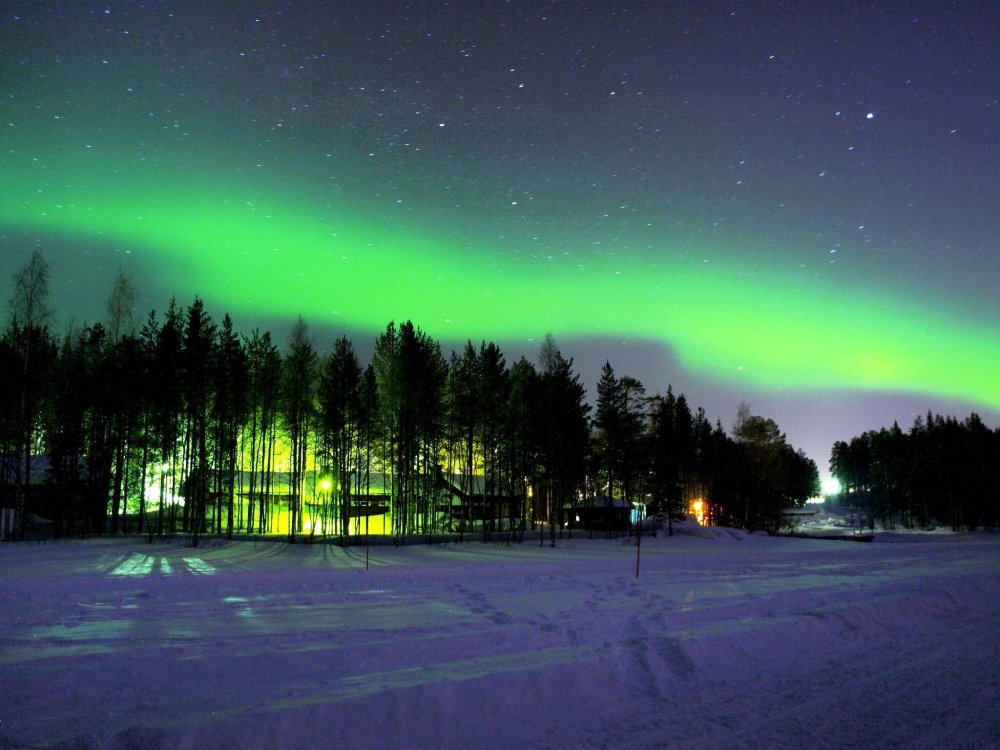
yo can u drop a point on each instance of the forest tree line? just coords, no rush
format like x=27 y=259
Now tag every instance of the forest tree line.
x=942 y=470
x=183 y=404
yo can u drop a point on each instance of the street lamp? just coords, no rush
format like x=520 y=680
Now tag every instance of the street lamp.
x=325 y=484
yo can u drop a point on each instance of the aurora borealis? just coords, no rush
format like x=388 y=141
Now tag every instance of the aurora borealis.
x=790 y=206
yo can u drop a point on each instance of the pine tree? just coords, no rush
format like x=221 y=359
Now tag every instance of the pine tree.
x=229 y=409
x=167 y=406
x=492 y=397
x=340 y=404
x=565 y=433
x=411 y=375
x=66 y=432
x=297 y=412
x=609 y=423
x=197 y=352
x=263 y=397
x=30 y=340
x=522 y=442
x=148 y=338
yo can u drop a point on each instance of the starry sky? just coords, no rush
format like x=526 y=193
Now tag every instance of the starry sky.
x=789 y=204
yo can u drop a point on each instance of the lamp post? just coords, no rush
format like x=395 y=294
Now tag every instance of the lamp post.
x=325 y=485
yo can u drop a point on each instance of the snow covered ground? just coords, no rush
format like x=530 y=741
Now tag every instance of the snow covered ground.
x=721 y=642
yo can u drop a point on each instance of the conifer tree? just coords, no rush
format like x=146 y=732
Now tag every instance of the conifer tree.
x=196 y=355
x=30 y=341
x=229 y=408
x=297 y=412
x=565 y=433
x=339 y=405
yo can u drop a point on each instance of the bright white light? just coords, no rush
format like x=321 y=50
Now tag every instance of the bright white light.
x=831 y=486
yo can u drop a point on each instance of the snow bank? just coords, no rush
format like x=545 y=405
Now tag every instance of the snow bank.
x=691 y=527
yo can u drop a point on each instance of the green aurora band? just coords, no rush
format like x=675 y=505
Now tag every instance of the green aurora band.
x=285 y=257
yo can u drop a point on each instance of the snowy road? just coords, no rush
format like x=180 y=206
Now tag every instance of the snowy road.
x=770 y=643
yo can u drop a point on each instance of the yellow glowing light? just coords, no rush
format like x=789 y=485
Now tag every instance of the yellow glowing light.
x=697 y=509
x=316 y=526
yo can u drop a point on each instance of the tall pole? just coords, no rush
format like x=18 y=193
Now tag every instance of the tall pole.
x=638 y=547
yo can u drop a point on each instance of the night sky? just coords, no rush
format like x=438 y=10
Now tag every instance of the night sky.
x=792 y=204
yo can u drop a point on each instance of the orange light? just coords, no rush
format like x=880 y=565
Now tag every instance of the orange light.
x=697 y=509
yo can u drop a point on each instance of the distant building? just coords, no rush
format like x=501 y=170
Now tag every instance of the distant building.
x=601 y=513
